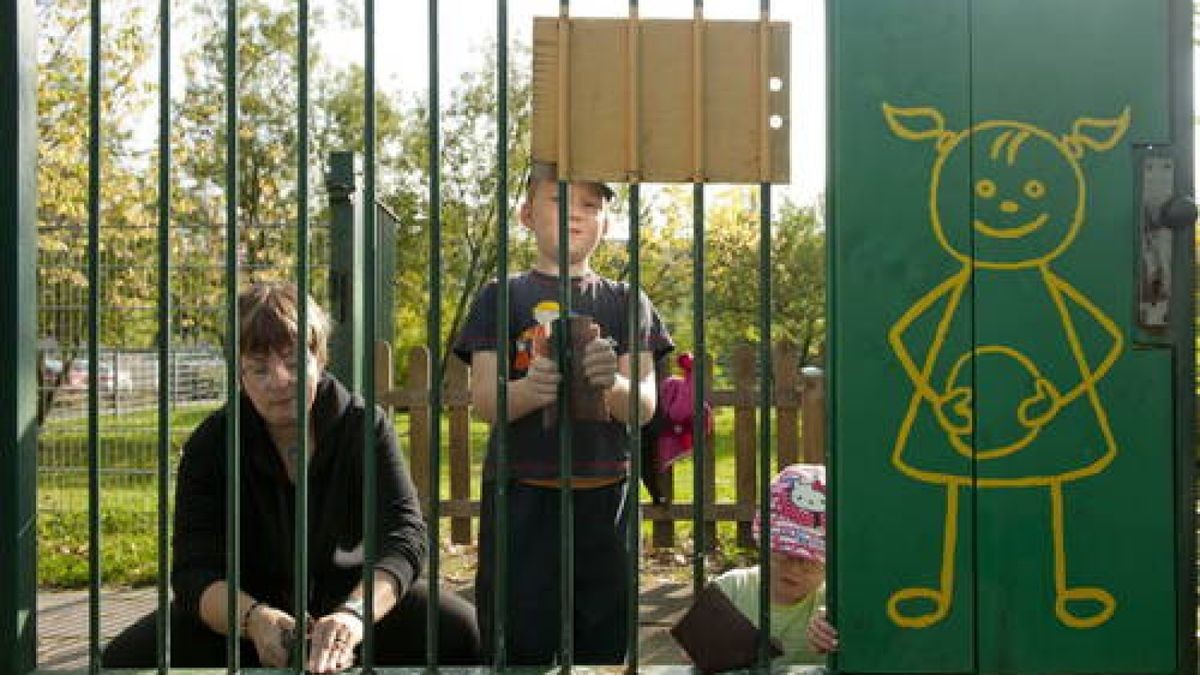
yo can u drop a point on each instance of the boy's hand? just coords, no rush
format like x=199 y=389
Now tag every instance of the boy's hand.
x=822 y=636
x=542 y=379
x=600 y=361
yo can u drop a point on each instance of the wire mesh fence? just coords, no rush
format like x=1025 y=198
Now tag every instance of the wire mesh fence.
x=127 y=373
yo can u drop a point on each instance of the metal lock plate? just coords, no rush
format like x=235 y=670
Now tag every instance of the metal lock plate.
x=1154 y=243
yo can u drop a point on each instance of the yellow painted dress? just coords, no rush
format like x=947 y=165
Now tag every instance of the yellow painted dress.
x=1033 y=415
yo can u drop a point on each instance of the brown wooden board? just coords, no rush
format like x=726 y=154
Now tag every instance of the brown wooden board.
x=617 y=89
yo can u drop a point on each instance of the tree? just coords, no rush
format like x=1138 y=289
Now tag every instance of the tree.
x=126 y=189
x=470 y=215
x=798 y=274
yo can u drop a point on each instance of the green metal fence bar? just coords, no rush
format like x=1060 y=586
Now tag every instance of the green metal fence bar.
x=233 y=456
x=699 y=431
x=632 y=486
x=18 y=408
x=300 y=351
x=164 y=331
x=93 y=336
x=699 y=373
x=562 y=350
x=1183 y=313
x=764 y=421
x=434 y=334
x=764 y=356
x=500 y=540
x=367 y=362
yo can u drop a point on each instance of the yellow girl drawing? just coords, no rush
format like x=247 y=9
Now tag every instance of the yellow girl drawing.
x=1017 y=407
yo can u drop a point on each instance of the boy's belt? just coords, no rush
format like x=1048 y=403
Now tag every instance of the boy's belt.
x=577 y=483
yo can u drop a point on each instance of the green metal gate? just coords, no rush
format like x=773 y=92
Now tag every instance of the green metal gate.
x=1023 y=501
x=17 y=359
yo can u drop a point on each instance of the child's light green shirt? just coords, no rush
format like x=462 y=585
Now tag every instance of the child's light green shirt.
x=789 y=623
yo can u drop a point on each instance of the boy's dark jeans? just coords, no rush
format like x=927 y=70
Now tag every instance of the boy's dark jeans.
x=533 y=625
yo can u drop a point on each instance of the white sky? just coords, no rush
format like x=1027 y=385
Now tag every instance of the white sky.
x=467 y=26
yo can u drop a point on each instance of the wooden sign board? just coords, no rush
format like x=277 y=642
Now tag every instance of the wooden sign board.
x=631 y=100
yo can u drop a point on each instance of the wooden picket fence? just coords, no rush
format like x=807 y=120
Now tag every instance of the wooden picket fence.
x=799 y=416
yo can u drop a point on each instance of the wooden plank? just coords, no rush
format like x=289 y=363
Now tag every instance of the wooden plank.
x=605 y=73
x=457 y=378
x=724 y=512
x=663 y=531
x=813 y=417
x=418 y=424
x=786 y=368
x=745 y=438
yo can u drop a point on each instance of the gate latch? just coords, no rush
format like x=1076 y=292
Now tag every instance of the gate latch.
x=1161 y=212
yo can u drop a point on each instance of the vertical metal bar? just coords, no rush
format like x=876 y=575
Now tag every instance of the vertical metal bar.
x=566 y=520
x=832 y=459
x=300 y=351
x=632 y=492
x=164 y=329
x=233 y=458
x=764 y=348
x=370 y=468
x=434 y=334
x=500 y=579
x=93 y=321
x=633 y=312
x=699 y=369
x=18 y=321
x=566 y=525
x=1183 y=315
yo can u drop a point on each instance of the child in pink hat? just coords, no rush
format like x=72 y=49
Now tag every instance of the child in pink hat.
x=797 y=568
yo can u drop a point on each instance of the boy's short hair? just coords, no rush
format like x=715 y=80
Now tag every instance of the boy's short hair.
x=798 y=512
x=269 y=318
x=540 y=171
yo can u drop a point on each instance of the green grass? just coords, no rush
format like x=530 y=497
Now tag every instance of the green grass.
x=128 y=550
x=129 y=498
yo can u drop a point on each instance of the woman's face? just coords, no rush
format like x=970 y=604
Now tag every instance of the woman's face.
x=794 y=578
x=269 y=379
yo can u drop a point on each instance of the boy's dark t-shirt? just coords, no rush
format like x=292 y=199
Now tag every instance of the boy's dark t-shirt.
x=598 y=448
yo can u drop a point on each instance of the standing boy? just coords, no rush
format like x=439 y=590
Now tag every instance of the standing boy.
x=599 y=444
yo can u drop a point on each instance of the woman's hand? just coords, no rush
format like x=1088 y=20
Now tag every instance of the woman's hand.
x=334 y=638
x=267 y=628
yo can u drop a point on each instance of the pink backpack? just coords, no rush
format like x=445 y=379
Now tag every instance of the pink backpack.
x=676 y=401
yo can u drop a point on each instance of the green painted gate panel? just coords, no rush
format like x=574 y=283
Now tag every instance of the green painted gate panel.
x=1004 y=450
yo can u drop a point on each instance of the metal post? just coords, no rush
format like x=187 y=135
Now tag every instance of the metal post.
x=764 y=366
x=164 y=333
x=18 y=391
x=300 y=351
x=370 y=468
x=1183 y=313
x=699 y=371
x=93 y=336
x=345 y=270
x=233 y=439
x=434 y=334
x=500 y=578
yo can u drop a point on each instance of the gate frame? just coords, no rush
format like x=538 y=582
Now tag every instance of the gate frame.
x=1183 y=328
x=18 y=390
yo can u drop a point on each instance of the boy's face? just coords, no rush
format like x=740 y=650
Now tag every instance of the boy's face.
x=794 y=577
x=539 y=213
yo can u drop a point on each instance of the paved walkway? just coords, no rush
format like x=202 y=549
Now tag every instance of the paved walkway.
x=63 y=621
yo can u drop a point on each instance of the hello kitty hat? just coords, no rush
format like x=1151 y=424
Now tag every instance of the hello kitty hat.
x=798 y=512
